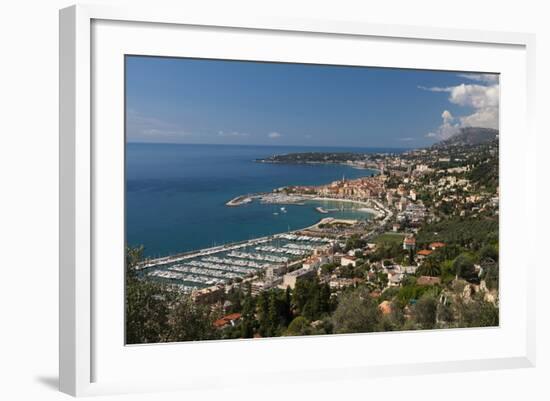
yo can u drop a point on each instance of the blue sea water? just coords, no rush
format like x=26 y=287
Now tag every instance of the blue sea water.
x=176 y=194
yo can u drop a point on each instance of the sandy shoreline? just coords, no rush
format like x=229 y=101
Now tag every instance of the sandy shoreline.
x=367 y=207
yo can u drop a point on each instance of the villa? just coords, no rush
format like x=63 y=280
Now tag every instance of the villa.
x=348 y=260
x=409 y=242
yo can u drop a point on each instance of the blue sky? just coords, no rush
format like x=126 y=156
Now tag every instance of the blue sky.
x=232 y=102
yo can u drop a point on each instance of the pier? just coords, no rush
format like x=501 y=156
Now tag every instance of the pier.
x=246 y=260
x=240 y=200
x=243 y=261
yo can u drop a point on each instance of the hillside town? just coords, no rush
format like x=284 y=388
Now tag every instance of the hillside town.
x=427 y=257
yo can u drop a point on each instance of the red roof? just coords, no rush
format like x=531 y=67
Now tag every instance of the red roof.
x=232 y=316
x=385 y=307
x=437 y=245
x=224 y=321
x=424 y=252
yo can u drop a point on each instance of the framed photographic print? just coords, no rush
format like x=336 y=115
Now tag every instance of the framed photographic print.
x=342 y=195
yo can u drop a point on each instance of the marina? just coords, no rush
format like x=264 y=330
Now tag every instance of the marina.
x=233 y=262
x=221 y=265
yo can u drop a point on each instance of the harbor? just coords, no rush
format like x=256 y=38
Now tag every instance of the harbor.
x=249 y=259
x=234 y=262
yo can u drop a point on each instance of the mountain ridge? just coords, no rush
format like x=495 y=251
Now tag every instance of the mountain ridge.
x=469 y=136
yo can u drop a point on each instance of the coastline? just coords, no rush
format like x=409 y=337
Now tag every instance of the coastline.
x=152 y=266
x=374 y=169
x=241 y=244
x=367 y=207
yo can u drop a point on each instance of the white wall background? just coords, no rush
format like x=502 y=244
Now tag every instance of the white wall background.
x=29 y=199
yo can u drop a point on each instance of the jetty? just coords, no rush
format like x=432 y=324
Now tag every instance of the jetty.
x=235 y=261
x=239 y=200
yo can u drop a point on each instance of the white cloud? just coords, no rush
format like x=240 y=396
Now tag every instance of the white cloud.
x=433 y=88
x=274 y=135
x=447 y=116
x=447 y=129
x=483 y=99
x=486 y=118
x=486 y=78
x=232 y=134
x=476 y=96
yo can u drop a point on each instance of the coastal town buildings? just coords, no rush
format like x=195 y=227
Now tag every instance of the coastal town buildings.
x=290 y=279
x=347 y=260
x=386 y=251
x=359 y=189
x=409 y=243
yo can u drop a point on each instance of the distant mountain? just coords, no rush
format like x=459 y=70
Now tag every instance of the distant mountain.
x=469 y=136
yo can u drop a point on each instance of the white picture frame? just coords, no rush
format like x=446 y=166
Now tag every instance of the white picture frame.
x=83 y=158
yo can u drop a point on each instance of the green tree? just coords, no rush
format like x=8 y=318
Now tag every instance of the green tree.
x=445 y=313
x=325 y=304
x=477 y=313
x=449 y=251
x=299 y=296
x=306 y=298
x=247 y=324
x=235 y=296
x=430 y=267
x=491 y=276
x=382 y=279
x=463 y=265
x=288 y=305
x=146 y=304
x=356 y=313
x=191 y=322
x=134 y=255
x=262 y=307
x=394 y=320
x=328 y=268
x=146 y=312
x=447 y=271
x=354 y=242
x=298 y=327
x=273 y=315
x=489 y=252
x=425 y=311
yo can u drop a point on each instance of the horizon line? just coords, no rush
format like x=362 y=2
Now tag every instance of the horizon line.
x=271 y=145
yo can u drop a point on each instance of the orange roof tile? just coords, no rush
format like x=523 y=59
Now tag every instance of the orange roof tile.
x=424 y=252
x=385 y=307
x=224 y=321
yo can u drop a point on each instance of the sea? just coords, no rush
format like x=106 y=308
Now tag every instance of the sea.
x=176 y=194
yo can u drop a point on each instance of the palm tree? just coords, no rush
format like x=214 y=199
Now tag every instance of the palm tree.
x=429 y=268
